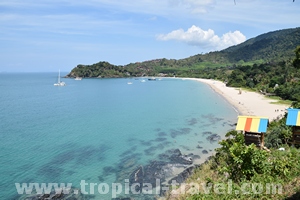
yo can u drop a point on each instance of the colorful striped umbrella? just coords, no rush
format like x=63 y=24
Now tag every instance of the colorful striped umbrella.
x=293 y=117
x=252 y=124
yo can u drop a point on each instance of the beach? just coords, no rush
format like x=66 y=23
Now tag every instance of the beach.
x=246 y=102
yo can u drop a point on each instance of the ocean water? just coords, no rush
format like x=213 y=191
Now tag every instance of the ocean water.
x=87 y=129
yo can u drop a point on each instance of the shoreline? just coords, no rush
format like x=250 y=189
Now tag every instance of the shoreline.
x=247 y=103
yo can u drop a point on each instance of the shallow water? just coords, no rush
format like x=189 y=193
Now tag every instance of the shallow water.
x=89 y=129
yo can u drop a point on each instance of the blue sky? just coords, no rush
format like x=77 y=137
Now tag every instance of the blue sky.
x=47 y=35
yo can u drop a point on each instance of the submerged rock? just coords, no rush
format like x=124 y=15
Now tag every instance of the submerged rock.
x=192 y=121
x=206 y=133
x=205 y=152
x=149 y=173
x=160 y=139
x=161 y=134
x=73 y=194
x=174 y=156
x=182 y=159
x=182 y=131
x=161 y=170
x=213 y=138
x=180 y=178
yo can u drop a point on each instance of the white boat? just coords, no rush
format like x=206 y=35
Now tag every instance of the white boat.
x=78 y=78
x=59 y=83
x=129 y=83
x=143 y=81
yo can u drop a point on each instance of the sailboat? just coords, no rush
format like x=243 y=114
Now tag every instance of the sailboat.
x=59 y=83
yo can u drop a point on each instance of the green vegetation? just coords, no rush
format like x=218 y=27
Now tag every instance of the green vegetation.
x=238 y=171
x=271 y=78
x=279 y=100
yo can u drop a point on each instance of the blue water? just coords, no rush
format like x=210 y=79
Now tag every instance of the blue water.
x=83 y=130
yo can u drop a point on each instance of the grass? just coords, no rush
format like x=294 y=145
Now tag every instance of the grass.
x=279 y=100
x=210 y=65
x=248 y=89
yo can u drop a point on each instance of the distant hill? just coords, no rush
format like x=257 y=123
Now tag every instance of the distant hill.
x=273 y=46
x=269 y=47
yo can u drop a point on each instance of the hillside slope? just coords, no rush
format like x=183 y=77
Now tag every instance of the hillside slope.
x=269 y=47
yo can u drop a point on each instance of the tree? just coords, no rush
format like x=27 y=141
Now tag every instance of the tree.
x=241 y=161
x=278 y=133
x=296 y=62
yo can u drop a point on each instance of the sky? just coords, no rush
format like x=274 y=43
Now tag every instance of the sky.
x=48 y=35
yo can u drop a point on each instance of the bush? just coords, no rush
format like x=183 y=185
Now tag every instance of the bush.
x=242 y=161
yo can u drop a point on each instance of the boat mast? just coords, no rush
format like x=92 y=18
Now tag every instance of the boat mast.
x=58 y=76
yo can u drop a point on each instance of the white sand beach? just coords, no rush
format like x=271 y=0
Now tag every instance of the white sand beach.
x=247 y=103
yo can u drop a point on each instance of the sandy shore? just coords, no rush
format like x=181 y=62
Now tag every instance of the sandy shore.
x=247 y=103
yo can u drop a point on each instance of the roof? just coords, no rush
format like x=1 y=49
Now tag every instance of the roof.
x=252 y=124
x=293 y=117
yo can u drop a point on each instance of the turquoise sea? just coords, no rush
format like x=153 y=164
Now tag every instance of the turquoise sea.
x=87 y=129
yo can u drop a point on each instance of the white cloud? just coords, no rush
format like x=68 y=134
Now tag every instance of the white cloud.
x=205 y=39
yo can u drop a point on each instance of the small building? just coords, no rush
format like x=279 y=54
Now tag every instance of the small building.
x=254 y=128
x=293 y=119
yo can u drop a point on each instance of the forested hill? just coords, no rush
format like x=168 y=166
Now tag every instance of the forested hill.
x=277 y=45
x=266 y=48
